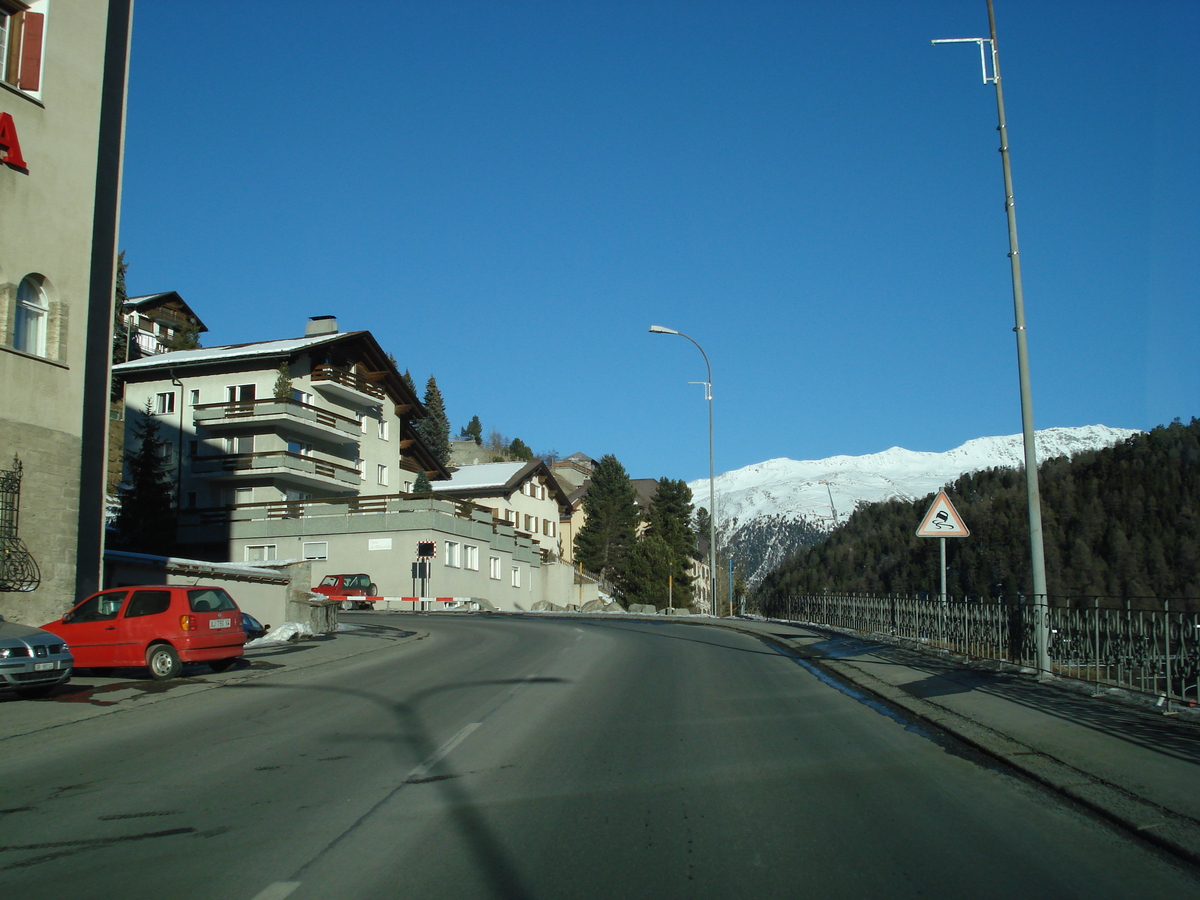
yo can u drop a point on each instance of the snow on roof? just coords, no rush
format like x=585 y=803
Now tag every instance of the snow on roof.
x=485 y=475
x=230 y=352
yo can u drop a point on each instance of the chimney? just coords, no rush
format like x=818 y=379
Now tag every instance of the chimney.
x=318 y=325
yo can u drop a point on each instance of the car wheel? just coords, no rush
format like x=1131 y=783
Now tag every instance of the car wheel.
x=372 y=590
x=35 y=693
x=347 y=604
x=163 y=662
x=220 y=665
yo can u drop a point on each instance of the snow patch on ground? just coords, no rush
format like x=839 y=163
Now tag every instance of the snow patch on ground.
x=281 y=634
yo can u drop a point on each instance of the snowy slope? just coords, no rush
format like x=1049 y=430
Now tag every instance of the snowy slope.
x=786 y=490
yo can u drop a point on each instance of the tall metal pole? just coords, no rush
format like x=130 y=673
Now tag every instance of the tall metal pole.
x=712 y=478
x=1032 y=492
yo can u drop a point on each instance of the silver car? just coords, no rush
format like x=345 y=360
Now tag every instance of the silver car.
x=32 y=661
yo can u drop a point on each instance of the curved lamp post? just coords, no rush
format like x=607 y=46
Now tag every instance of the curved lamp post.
x=712 y=491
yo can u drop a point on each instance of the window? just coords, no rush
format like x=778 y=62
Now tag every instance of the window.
x=193 y=449
x=242 y=443
x=302 y=397
x=21 y=38
x=148 y=603
x=452 y=554
x=165 y=452
x=548 y=528
x=472 y=557
x=494 y=567
x=381 y=475
x=383 y=429
x=32 y=312
x=361 y=468
x=239 y=393
x=516 y=576
x=238 y=496
x=194 y=397
x=316 y=549
x=362 y=422
x=300 y=448
x=531 y=524
x=164 y=404
x=408 y=487
x=259 y=552
x=191 y=499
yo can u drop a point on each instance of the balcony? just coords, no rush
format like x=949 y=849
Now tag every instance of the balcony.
x=346 y=385
x=302 y=418
x=279 y=465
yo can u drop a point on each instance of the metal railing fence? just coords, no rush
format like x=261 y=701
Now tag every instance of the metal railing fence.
x=1151 y=651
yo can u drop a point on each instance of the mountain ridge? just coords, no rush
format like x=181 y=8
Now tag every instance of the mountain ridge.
x=765 y=508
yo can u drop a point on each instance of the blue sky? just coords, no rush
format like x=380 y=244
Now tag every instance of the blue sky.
x=508 y=194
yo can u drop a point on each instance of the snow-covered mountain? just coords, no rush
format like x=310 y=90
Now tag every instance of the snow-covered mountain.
x=765 y=509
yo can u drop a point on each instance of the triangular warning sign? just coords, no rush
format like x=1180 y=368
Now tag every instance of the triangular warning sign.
x=943 y=520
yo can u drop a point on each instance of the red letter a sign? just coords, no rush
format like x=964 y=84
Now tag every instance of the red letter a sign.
x=9 y=145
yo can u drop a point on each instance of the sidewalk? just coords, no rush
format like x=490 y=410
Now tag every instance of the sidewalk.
x=1132 y=765
x=88 y=695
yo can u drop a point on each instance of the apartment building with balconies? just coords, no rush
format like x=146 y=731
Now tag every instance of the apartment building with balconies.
x=277 y=423
x=154 y=322
x=525 y=495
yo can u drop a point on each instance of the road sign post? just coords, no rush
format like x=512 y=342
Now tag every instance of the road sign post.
x=943 y=521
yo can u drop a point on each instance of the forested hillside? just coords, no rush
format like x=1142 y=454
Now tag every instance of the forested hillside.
x=1122 y=522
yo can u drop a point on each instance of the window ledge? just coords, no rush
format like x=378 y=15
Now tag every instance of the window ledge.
x=20 y=93
x=15 y=352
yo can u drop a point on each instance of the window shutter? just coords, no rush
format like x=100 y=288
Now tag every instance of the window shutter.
x=31 y=51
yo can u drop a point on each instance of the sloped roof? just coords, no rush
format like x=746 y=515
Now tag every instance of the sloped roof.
x=206 y=355
x=152 y=301
x=498 y=476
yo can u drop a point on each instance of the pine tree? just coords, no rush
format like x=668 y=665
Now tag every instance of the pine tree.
x=609 y=531
x=421 y=485
x=520 y=450
x=406 y=377
x=146 y=521
x=669 y=519
x=283 y=382
x=434 y=429
x=647 y=573
x=186 y=338
x=474 y=430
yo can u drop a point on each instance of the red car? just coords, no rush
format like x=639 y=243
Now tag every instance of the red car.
x=158 y=626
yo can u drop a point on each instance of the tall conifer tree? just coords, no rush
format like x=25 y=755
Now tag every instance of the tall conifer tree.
x=434 y=429
x=610 y=530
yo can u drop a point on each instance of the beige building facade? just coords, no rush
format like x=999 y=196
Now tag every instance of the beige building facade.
x=63 y=73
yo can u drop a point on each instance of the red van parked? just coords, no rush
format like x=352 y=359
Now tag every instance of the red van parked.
x=158 y=626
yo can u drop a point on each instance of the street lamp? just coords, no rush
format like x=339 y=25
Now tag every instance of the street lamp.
x=712 y=478
x=1033 y=498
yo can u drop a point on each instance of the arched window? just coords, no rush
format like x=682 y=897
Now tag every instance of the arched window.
x=32 y=312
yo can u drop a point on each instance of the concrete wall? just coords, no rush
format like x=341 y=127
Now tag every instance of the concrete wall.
x=59 y=222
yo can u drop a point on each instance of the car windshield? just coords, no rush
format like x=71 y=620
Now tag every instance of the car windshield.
x=329 y=581
x=210 y=600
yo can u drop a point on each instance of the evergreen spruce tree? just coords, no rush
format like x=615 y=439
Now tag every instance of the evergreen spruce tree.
x=474 y=430
x=146 y=521
x=434 y=429
x=669 y=518
x=283 y=382
x=186 y=338
x=421 y=485
x=646 y=579
x=120 y=337
x=608 y=534
x=520 y=450
x=406 y=377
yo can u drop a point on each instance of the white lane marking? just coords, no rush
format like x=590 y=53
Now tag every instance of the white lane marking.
x=442 y=752
x=277 y=891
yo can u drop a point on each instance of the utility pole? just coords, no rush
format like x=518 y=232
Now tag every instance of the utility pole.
x=1033 y=496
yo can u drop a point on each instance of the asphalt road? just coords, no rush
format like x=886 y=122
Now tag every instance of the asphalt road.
x=539 y=757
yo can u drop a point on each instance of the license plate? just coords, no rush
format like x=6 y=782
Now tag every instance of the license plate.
x=218 y=623
x=43 y=667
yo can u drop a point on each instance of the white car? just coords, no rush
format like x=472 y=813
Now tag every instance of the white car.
x=32 y=662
